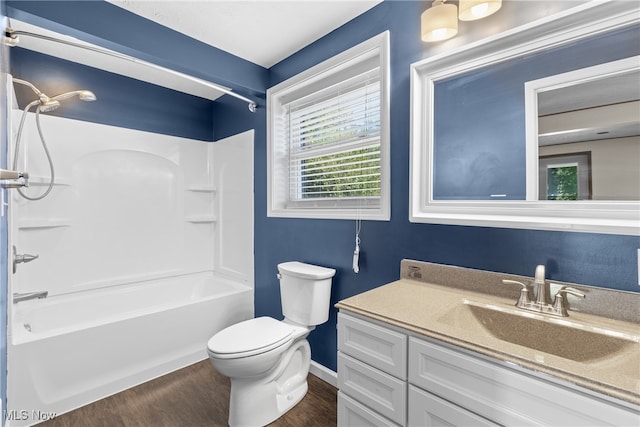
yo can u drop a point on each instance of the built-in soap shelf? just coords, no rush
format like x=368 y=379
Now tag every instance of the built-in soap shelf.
x=33 y=223
x=202 y=188
x=38 y=180
x=201 y=219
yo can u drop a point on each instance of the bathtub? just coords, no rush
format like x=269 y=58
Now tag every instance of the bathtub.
x=69 y=350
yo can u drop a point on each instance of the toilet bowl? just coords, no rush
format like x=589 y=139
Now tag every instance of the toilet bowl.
x=267 y=360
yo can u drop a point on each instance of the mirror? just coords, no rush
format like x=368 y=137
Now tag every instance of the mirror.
x=588 y=132
x=475 y=153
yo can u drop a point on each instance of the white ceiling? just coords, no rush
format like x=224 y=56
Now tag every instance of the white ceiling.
x=598 y=109
x=260 y=31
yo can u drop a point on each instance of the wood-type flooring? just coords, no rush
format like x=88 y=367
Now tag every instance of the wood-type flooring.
x=195 y=396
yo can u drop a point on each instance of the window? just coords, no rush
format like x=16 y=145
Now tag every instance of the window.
x=565 y=176
x=562 y=182
x=328 y=138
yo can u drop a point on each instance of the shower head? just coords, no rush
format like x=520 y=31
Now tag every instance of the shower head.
x=49 y=104
x=85 y=95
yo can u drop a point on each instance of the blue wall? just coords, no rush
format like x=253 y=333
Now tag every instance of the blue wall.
x=594 y=259
x=602 y=260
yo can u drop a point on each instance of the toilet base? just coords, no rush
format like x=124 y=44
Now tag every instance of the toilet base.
x=256 y=403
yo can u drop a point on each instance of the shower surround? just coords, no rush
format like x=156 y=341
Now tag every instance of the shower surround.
x=145 y=248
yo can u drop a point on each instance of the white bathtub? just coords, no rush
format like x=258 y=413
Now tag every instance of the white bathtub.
x=69 y=350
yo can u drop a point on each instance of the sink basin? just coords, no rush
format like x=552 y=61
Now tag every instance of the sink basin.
x=561 y=337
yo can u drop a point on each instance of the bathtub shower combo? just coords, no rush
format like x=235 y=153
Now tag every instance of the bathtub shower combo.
x=141 y=251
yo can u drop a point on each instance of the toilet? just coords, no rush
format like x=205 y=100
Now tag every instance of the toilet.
x=268 y=360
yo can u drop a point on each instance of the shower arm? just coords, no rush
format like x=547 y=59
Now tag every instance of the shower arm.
x=12 y=40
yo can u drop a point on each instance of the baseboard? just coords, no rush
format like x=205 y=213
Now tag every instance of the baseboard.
x=324 y=373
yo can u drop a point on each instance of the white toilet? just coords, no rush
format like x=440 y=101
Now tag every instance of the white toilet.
x=268 y=360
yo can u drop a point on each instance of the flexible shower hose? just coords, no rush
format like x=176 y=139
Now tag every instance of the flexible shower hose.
x=16 y=152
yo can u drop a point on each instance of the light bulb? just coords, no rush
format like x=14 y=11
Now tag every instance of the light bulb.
x=470 y=10
x=480 y=10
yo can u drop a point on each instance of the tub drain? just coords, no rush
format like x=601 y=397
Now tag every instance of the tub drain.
x=27 y=327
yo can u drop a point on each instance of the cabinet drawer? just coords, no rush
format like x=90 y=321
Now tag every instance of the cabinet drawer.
x=428 y=410
x=353 y=414
x=504 y=395
x=380 y=347
x=373 y=388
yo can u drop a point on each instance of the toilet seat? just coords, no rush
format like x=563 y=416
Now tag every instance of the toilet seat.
x=251 y=337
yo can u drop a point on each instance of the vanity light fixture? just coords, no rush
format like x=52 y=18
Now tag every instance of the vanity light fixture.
x=470 y=10
x=439 y=22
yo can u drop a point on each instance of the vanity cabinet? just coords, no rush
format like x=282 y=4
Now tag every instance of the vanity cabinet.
x=391 y=377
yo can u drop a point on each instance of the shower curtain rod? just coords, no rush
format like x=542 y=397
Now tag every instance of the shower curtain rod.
x=13 y=36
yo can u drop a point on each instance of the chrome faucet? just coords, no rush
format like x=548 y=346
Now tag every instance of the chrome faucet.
x=542 y=291
x=29 y=295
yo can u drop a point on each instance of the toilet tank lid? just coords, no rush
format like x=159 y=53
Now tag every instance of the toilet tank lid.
x=305 y=271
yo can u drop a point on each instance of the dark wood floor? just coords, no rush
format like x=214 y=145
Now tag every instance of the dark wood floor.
x=196 y=396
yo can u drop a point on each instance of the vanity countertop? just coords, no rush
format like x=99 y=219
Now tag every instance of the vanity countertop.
x=425 y=309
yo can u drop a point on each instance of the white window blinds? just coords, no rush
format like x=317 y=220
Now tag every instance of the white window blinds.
x=334 y=143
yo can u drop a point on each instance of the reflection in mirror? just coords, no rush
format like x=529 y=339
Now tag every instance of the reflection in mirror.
x=588 y=128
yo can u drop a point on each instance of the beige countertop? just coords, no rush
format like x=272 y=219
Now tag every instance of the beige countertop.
x=434 y=311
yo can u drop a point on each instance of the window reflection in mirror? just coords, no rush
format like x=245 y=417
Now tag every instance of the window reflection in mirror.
x=565 y=176
x=589 y=132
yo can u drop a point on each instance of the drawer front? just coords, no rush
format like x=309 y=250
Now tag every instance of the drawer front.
x=353 y=414
x=428 y=410
x=503 y=395
x=373 y=388
x=375 y=345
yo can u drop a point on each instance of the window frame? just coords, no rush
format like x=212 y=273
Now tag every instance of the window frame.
x=335 y=69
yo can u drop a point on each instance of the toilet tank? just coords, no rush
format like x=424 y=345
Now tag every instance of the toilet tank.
x=305 y=292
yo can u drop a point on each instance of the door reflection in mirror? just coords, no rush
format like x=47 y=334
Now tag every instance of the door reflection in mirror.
x=590 y=118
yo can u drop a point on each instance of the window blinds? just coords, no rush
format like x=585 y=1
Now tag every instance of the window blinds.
x=334 y=142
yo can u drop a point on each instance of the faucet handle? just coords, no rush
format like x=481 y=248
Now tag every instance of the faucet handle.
x=524 y=299
x=514 y=282
x=560 y=305
x=572 y=291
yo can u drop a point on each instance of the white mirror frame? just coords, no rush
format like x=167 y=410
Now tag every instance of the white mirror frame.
x=612 y=217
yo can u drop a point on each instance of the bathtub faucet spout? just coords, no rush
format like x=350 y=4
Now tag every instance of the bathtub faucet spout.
x=29 y=295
